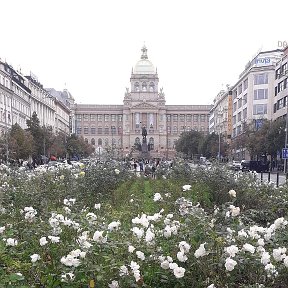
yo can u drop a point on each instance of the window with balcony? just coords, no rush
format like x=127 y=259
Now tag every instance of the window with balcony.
x=168 y=118
x=182 y=117
x=175 y=117
x=92 y=117
x=93 y=130
x=188 y=117
x=106 y=117
x=99 y=130
x=86 y=130
x=99 y=117
x=202 y=118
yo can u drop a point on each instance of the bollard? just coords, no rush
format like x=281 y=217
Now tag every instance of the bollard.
x=269 y=177
x=277 y=179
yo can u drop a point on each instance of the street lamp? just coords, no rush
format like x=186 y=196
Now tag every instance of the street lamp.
x=286 y=135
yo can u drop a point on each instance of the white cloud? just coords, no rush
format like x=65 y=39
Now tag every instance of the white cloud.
x=92 y=45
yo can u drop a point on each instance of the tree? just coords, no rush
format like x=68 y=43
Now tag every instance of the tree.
x=210 y=145
x=189 y=143
x=58 y=146
x=20 y=143
x=76 y=146
x=37 y=133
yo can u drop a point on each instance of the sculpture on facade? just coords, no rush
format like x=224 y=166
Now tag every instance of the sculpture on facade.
x=144 y=133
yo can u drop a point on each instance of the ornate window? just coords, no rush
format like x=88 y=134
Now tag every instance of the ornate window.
x=93 y=141
x=137 y=140
x=99 y=130
x=106 y=130
x=113 y=130
x=100 y=142
x=136 y=86
x=151 y=87
x=144 y=87
x=106 y=141
x=86 y=140
x=175 y=130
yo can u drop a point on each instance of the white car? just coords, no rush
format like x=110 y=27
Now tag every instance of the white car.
x=236 y=165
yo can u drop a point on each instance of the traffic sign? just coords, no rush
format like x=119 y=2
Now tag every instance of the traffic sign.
x=285 y=153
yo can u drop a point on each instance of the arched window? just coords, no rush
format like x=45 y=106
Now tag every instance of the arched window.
x=151 y=143
x=93 y=141
x=106 y=141
x=137 y=140
x=136 y=86
x=86 y=140
x=100 y=142
x=144 y=87
x=151 y=87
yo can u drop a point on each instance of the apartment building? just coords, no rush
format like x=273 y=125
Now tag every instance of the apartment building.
x=21 y=95
x=280 y=87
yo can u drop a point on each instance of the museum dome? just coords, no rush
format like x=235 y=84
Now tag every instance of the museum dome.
x=144 y=66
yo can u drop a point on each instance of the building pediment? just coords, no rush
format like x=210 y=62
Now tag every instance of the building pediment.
x=144 y=105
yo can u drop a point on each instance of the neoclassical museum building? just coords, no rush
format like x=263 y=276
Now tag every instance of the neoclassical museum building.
x=120 y=126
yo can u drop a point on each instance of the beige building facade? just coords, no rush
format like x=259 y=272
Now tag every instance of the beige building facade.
x=144 y=105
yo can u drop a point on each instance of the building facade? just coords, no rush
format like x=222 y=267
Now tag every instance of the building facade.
x=144 y=105
x=280 y=107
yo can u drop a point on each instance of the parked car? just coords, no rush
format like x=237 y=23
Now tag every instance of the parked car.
x=236 y=165
x=258 y=166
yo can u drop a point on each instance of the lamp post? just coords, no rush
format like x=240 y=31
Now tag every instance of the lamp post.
x=286 y=136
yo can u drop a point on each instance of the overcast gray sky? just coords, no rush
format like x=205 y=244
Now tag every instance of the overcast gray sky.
x=91 y=45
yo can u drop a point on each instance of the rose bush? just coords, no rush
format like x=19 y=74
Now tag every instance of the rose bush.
x=101 y=225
